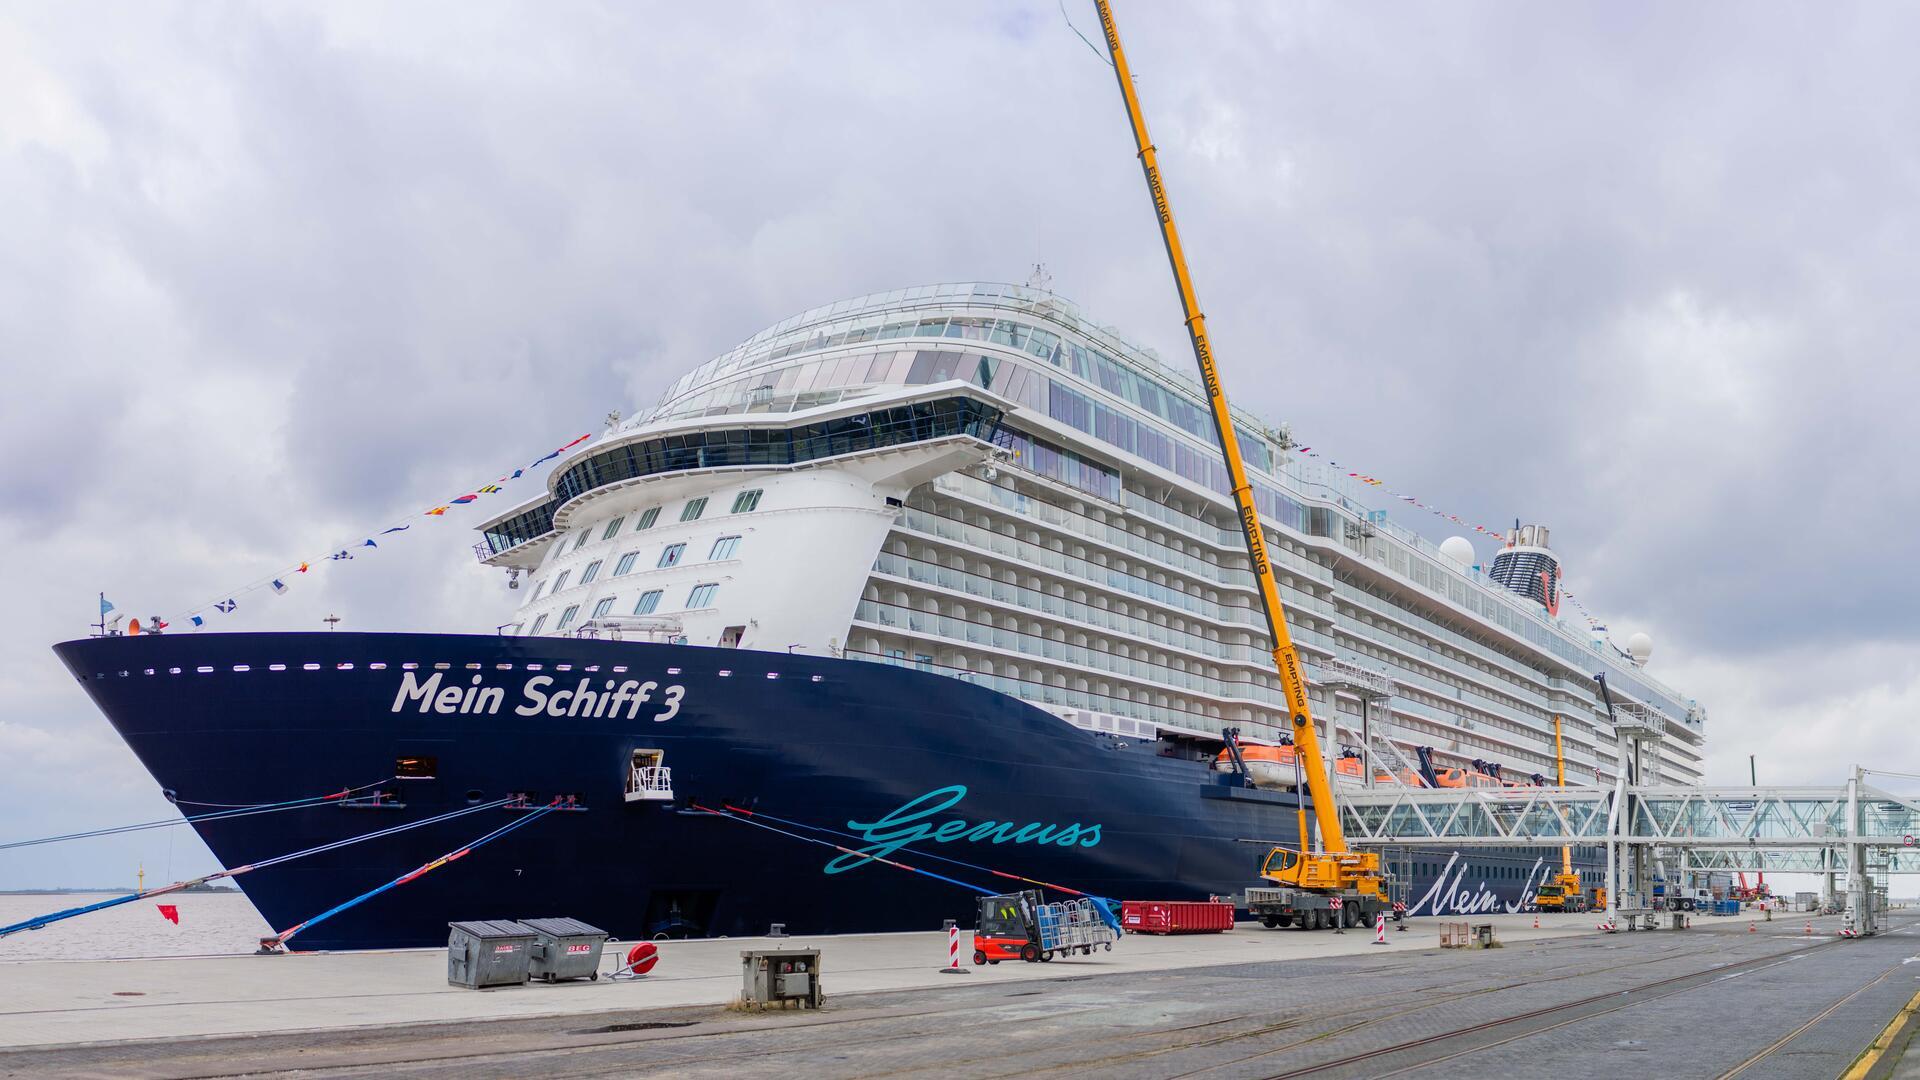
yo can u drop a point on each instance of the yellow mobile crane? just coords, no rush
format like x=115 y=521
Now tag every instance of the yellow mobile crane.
x=1563 y=891
x=1311 y=879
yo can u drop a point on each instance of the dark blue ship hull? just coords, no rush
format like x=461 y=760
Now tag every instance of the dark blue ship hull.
x=912 y=766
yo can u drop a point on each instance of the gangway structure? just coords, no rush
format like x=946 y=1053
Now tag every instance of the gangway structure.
x=1859 y=827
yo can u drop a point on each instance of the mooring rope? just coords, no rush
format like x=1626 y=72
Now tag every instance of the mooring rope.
x=40 y=921
x=914 y=852
x=837 y=847
x=420 y=871
x=217 y=815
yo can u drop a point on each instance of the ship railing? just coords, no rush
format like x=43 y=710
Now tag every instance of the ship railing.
x=650 y=783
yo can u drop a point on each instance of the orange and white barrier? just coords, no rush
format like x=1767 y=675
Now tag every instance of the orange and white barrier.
x=1380 y=929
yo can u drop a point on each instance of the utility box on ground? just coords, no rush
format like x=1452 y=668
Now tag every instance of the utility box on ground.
x=564 y=949
x=487 y=953
x=779 y=977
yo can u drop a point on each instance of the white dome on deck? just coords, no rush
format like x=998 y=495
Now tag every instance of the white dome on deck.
x=1457 y=550
x=1641 y=646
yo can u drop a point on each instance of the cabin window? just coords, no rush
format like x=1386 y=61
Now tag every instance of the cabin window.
x=416 y=768
x=625 y=564
x=693 y=509
x=603 y=607
x=538 y=625
x=648 y=601
x=701 y=596
x=561 y=581
x=592 y=571
x=670 y=556
x=647 y=517
x=582 y=542
x=566 y=617
x=613 y=527
x=538 y=588
x=724 y=548
x=746 y=501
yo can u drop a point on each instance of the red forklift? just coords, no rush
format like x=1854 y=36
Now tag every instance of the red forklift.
x=1021 y=926
x=1009 y=929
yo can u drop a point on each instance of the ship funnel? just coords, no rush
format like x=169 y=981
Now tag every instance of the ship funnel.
x=1527 y=566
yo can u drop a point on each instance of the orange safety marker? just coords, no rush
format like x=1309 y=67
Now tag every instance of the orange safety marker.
x=1809 y=930
x=1380 y=930
x=1536 y=920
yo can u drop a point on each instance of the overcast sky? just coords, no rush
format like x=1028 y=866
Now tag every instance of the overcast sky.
x=271 y=275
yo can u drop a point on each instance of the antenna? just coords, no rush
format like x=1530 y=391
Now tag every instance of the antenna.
x=1040 y=280
x=332 y=621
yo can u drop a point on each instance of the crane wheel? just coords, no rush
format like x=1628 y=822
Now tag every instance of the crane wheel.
x=1269 y=921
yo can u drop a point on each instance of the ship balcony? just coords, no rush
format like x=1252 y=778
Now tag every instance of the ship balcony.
x=650 y=783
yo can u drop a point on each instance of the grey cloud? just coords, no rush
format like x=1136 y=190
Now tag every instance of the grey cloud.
x=277 y=274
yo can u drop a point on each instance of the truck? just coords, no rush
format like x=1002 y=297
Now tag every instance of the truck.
x=1312 y=908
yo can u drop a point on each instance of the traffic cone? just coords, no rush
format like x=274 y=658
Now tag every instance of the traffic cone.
x=1751 y=928
x=1809 y=930
x=1536 y=920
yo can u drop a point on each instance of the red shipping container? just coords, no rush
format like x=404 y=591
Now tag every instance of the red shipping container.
x=1176 y=916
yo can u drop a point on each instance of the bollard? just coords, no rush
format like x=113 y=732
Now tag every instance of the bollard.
x=778 y=929
x=1380 y=930
x=953 y=951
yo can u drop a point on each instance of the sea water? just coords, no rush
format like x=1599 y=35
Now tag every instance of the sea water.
x=210 y=924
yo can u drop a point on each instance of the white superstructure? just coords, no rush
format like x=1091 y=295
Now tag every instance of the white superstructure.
x=977 y=480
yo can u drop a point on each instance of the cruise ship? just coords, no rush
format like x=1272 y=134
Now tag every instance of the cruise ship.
x=901 y=596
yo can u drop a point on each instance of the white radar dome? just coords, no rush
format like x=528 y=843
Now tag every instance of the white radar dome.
x=1641 y=646
x=1457 y=550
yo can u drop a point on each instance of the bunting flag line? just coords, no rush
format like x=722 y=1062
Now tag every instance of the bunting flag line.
x=1375 y=481
x=277 y=581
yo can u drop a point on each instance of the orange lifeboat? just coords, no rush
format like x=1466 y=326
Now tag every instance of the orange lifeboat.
x=1269 y=766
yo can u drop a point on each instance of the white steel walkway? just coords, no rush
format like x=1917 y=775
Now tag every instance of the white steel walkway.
x=1746 y=828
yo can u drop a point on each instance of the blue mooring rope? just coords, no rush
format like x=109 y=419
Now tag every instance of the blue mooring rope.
x=40 y=921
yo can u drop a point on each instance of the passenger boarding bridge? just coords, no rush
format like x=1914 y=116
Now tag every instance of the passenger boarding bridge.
x=1857 y=829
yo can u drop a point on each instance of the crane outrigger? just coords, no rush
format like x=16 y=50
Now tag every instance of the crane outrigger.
x=1333 y=871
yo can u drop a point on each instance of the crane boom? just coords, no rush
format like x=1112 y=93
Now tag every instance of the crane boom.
x=1286 y=659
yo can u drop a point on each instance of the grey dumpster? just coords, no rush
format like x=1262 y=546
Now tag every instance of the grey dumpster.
x=565 y=949
x=481 y=954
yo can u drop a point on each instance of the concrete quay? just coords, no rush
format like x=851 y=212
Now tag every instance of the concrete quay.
x=1251 y=1002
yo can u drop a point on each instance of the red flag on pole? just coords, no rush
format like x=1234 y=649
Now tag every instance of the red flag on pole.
x=170 y=912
